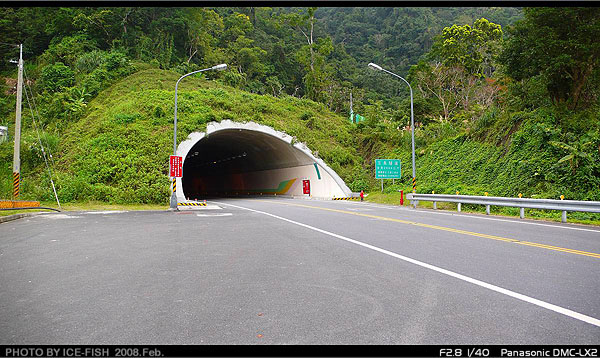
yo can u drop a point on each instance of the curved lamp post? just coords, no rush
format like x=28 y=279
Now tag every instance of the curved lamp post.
x=412 y=121
x=221 y=67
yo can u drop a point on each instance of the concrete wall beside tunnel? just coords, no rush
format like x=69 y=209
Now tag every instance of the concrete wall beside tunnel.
x=233 y=158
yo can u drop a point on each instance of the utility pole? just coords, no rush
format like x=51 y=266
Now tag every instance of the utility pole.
x=17 y=151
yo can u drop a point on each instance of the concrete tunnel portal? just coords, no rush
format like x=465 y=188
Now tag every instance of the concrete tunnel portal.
x=231 y=159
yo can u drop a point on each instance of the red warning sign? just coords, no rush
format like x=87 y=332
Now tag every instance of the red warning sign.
x=306 y=186
x=175 y=163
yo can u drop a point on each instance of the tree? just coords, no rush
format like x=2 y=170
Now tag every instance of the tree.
x=305 y=23
x=101 y=24
x=472 y=48
x=318 y=74
x=202 y=28
x=560 y=45
x=442 y=82
x=453 y=70
x=319 y=82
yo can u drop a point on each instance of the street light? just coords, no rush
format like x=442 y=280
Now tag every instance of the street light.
x=412 y=121
x=221 y=67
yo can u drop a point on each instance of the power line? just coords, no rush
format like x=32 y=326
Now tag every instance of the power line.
x=40 y=141
x=37 y=112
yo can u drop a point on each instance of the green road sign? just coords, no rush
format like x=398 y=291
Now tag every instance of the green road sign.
x=355 y=118
x=387 y=169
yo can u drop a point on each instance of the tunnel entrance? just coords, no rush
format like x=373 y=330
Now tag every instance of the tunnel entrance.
x=249 y=159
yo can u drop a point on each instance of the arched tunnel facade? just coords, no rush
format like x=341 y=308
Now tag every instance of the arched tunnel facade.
x=233 y=158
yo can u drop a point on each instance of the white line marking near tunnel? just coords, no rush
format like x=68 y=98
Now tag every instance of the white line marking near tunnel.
x=60 y=216
x=198 y=208
x=476 y=217
x=519 y=296
x=223 y=214
x=106 y=212
x=359 y=209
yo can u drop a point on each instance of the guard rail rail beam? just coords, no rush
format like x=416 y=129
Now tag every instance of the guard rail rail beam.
x=522 y=203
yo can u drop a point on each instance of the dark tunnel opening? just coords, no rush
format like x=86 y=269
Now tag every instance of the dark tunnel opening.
x=241 y=162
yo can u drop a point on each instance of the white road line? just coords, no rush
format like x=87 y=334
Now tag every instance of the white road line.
x=106 y=212
x=477 y=217
x=359 y=209
x=223 y=214
x=198 y=208
x=535 y=301
x=60 y=216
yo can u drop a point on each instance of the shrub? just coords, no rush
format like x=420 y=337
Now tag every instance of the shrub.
x=116 y=60
x=89 y=61
x=56 y=77
x=68 y=49
x=359 y=184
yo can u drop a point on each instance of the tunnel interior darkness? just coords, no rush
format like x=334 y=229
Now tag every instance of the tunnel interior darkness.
x=237 y=160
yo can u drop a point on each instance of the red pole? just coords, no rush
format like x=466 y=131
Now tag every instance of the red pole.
x=401 y=197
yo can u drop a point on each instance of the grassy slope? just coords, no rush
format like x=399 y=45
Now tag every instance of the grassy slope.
x=119 y=152
x=521 y=161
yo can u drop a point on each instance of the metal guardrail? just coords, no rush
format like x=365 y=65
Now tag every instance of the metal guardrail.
x=522 y=203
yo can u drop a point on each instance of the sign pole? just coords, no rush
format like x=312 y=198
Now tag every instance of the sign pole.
x=173 y=200
x=388 y=169
x=175 y=171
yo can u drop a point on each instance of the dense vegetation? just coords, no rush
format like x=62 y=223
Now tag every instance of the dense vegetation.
x=505 y=100
x=119 y=152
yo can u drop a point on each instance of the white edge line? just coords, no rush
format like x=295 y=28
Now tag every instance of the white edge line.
x=476 y=217
x=106 y=212
x=535 y=301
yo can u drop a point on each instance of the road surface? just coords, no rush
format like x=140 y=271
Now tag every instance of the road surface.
x=284 y=271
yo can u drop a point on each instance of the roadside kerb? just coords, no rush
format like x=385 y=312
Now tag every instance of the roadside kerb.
x=522 y=203
x=8 y=218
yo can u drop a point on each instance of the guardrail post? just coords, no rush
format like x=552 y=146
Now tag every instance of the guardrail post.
x=563 y=217
x=434 y=206
x=487 y=210
x=458 y=207
x=521 y=210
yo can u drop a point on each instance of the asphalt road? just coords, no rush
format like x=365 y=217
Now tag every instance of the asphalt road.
x=297 y=272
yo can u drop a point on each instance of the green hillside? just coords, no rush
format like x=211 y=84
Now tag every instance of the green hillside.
x=505 y=102
x=119 y=151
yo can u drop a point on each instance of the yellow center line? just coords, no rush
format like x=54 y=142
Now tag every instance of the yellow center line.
x=436 y=227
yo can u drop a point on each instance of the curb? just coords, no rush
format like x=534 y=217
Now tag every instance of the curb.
x=8 y=218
